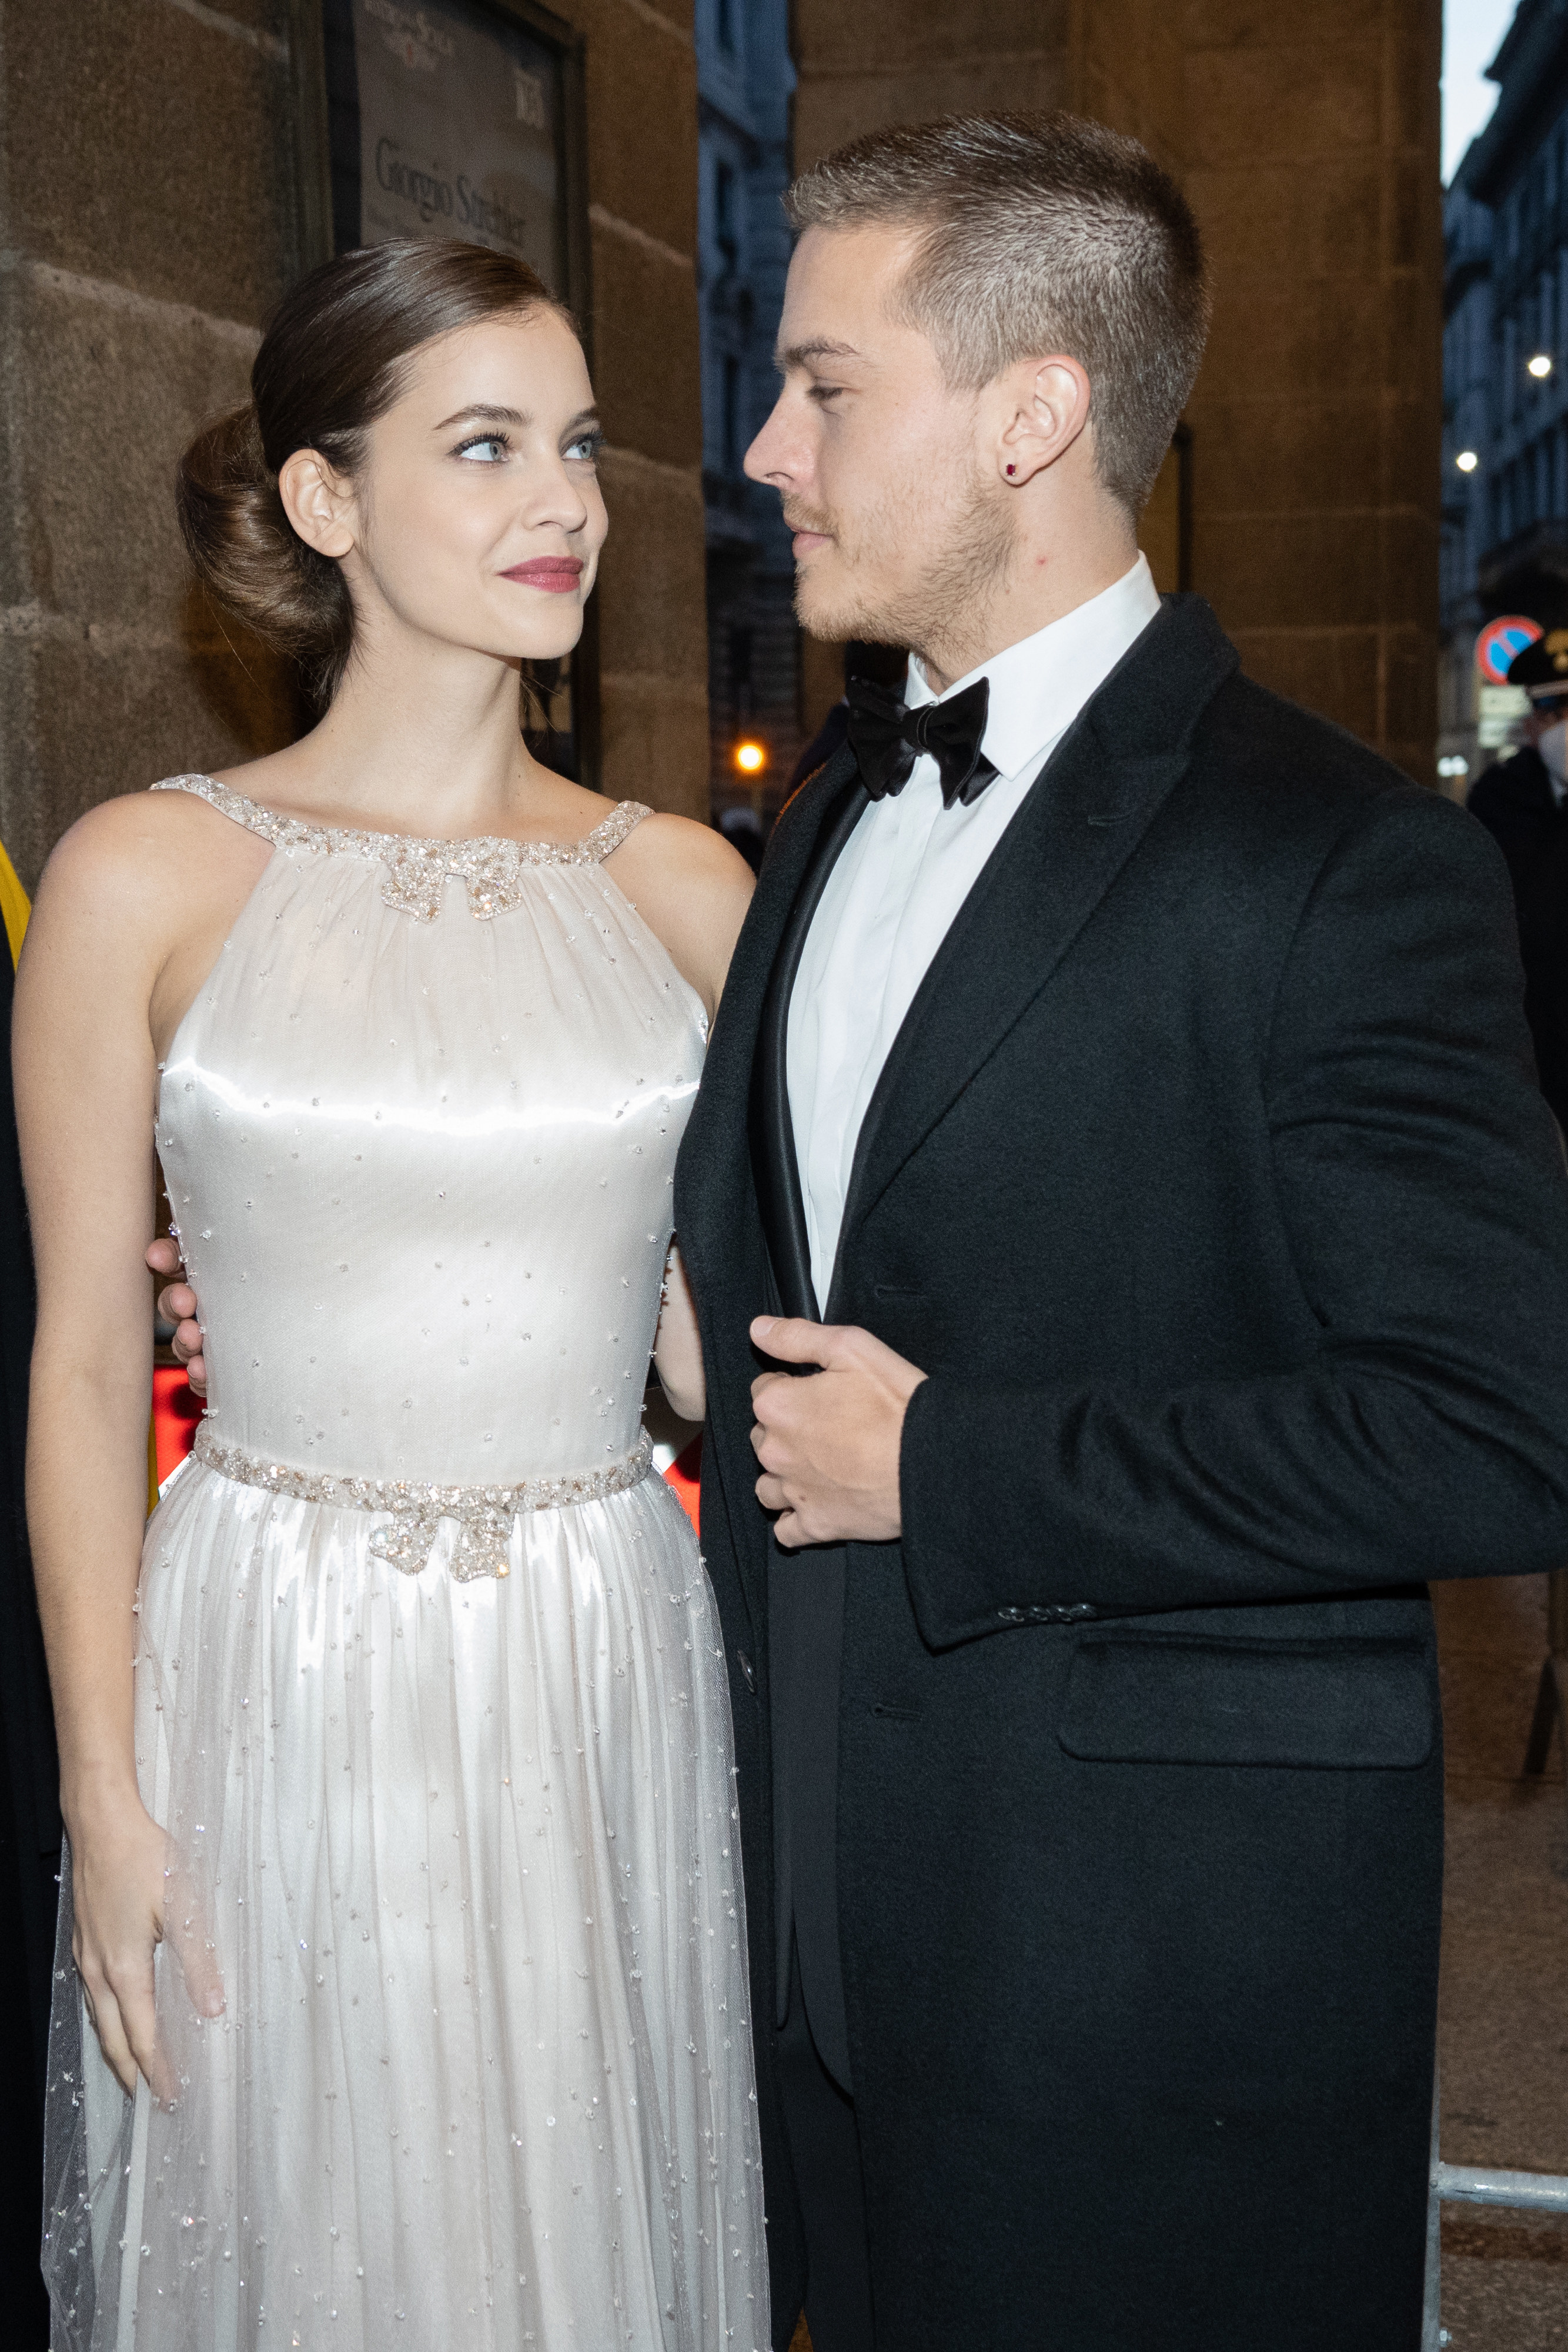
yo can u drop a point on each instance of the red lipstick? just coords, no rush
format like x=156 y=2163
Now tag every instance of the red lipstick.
x=558 y=574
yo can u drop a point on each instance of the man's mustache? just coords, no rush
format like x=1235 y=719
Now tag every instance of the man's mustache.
x=797 y=519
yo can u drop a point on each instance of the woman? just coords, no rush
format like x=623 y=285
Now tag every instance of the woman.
x=403 y=1885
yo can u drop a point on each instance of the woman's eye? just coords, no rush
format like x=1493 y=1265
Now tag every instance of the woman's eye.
x=586 y=447
x=487 y=450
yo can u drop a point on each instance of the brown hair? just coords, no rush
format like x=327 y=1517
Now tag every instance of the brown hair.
x=333 y=359
x=1038 y=233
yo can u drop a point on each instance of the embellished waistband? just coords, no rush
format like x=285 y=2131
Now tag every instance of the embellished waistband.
x=482 y=1515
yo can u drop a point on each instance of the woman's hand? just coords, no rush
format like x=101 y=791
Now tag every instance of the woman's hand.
x=120 y=1879
x=177 y=1305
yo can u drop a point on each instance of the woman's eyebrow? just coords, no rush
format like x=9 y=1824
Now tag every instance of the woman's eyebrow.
x=482 y=408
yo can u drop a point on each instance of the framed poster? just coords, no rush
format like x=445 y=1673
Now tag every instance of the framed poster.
x=464 y=118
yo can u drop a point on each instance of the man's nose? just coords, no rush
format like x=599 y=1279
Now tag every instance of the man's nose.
x=766 y=460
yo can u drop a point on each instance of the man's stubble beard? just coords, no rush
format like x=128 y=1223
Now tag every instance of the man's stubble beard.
x=942 y=613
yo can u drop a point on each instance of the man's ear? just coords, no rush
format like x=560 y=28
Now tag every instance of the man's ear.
x=1042 y=410
x=318 y=502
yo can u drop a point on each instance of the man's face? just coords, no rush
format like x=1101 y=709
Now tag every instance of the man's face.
x=899 y=529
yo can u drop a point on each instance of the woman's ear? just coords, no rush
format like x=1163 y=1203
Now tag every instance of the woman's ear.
x=317 y=501
x=1044 y=408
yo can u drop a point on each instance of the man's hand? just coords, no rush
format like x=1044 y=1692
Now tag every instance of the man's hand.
x=177 y=1305
x=829 y=1445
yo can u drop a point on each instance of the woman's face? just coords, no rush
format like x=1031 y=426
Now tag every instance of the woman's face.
x=476 y=518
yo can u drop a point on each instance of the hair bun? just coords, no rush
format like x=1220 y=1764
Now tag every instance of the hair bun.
x=245 y=550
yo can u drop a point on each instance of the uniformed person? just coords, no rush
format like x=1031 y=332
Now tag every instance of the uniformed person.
x=1522 y=801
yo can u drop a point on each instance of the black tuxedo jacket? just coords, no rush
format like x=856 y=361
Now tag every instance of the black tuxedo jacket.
x=1208 y=1183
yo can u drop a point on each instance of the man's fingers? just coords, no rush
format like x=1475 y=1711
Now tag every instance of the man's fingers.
x=164 y=1255
x=177 y=1302
x=771 y=1494
x=187 y=1346
x=791 y=1339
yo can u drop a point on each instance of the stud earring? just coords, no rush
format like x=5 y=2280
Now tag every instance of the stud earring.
x=1012 y=470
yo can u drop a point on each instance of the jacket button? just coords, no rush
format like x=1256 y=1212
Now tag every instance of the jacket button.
x=747 y=1671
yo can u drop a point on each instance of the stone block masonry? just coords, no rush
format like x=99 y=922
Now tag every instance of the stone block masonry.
x=150 y=219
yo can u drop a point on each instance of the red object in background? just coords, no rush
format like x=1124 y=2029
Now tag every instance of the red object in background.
x=177 y=1410
x=685 y=1475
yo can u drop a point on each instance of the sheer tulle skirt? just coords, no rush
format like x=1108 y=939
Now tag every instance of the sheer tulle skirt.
x=465 y=1856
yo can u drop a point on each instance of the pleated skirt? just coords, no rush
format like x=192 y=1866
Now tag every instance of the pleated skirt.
x=464 y=1857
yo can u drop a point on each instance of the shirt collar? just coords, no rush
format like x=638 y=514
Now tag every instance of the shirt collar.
x=1040 y=685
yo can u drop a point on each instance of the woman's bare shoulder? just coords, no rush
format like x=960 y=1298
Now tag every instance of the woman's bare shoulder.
x=136 y=827
x=693 y=890
x=143 y=864
x=679 y=851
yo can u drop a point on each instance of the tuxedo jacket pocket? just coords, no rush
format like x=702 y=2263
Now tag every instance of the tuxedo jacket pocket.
x=1338 y=1704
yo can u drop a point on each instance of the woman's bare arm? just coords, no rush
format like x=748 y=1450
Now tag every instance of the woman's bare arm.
x=85 y=1080
x=691 y=890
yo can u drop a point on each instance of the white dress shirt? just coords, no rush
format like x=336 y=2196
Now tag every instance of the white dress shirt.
x=905 y=871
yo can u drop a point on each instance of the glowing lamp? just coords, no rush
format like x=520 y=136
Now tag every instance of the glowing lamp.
x=1466 y=461
x=1541 y=366
x=751 y=758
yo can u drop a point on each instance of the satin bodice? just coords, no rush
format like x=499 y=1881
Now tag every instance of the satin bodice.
x=419 y=1132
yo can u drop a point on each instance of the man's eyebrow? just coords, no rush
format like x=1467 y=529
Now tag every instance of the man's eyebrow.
x=805 y=355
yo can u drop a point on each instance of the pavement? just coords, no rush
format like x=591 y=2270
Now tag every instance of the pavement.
x=1503 y=2022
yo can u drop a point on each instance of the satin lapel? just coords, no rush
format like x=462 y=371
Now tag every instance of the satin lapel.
x=712 y=1174
x=1088 y=810
x=775 y=1165
x=712 y=1169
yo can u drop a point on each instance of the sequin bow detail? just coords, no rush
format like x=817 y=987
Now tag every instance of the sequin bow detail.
x=484 y=1532
x=482 y=1515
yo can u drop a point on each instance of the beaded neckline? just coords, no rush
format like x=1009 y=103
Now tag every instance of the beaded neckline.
x=416 y=871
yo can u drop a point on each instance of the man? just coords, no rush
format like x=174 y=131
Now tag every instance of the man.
x=1128 y=1110
x=1119 y=1094
x=1520 y=801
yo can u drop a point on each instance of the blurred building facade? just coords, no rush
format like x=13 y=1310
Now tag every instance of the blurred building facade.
x=1505 y=379
x=745 y=82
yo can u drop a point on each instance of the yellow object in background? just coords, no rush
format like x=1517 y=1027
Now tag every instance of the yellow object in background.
x=14 y=906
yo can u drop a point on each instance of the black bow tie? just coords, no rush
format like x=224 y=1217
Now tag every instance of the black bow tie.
x=887 y=738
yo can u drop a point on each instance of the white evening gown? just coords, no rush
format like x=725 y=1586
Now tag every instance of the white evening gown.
x=447 y=1777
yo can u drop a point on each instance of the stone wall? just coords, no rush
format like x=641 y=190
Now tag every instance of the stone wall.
x=149 y=220
x=1308 y=143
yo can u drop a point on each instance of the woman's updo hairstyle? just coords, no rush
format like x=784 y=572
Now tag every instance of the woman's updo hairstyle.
x=331 y=362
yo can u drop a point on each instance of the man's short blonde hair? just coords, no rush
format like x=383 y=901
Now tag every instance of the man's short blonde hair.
x=1037 y=234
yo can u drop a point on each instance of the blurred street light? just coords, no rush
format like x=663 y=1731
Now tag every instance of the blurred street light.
x=1541 y=366
x=1466 y=461
x=750 y=757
